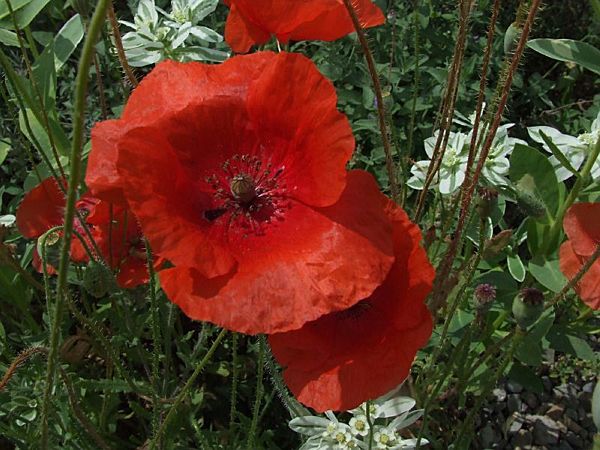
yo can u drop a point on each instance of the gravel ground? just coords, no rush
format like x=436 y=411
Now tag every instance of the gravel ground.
x=559 y=418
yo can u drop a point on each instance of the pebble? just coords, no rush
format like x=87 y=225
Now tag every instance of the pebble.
x=514 y=387
x=514 y=403
x=555 y=412
x=574 y=439
x=545 y=430
x=499 y=394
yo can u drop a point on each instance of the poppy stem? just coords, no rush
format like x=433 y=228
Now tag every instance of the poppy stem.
x=362 y=39
x=235 y=374
x=155 y=319
x=81 y=83
x=259 y=391
x=114 y=24
x=185 y=389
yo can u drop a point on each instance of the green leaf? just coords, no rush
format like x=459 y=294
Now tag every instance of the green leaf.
x=516 y=267
x=547 y=273
x=4 y=149
x=529 y=350
x=8 y=38
x=67 y=40
x=23 y=15
x=561 y=340
x=568 y=50
x=16 y=5
x=526 y=377
x=559 y=154
x=532 y=171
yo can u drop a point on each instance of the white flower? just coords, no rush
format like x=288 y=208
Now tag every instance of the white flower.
x=359 y=425
x=452 y=170
x=175 y=35
x=496 y=165
x=575 y=149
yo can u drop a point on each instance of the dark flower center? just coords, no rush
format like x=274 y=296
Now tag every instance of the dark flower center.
x=248 y=193
x=356 y=311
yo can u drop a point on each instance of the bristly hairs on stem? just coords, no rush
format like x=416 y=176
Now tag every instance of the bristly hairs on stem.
x=260 y=365
x=351 y=6
x=118 y=42
x=81 y=83
x=21 y=359
x=446 y=264
x=447 y=105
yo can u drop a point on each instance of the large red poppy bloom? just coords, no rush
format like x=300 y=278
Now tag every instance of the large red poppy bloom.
x=114 y=230
x=253 y=22
x=237 y=175
x=582 y=227
x=347 y=357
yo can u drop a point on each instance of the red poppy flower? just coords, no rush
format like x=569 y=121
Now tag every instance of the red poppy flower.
x=582 y=229
x=347 y=357
x=240 y=182
x=253 y=22
x=114 y=230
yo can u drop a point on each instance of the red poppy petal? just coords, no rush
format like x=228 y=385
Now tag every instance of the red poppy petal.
x=37 y=264
x=101 y=176
x=41 y=209
x=342 y=359
x=588 y=287
x=241 y=33
x=319 y=138
x=314 y=262
x=334 y=23
x=582 y=225
x=132 y=273
x=169 y=203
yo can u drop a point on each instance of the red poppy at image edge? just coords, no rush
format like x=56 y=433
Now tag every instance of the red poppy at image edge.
x=347 y=357
x=253 y=22
x=581 y=224
x=236 y=173
x=43 y=208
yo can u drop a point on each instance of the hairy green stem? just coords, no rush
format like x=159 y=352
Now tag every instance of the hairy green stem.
x=184 y=391
x=259 y=391
x=81 y=83
x=156 y=342
x=235 y=373
x=362 y=39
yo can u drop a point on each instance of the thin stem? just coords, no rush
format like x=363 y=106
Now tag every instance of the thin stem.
x=446 y=264
x=235 y=373
x=389 y=160
x=370 y=423
x=18 y=362
x=114 y=24
x=259 y=391
x=154 y=313
x=184 y=391
x=81 y=83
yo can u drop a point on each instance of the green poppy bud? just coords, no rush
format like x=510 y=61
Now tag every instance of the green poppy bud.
x=98 y=280
x=527 y=307
x=48 y=247
x=530 y=204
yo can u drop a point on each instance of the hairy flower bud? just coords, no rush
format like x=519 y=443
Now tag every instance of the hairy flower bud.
x=530 y=204
x=98 y=280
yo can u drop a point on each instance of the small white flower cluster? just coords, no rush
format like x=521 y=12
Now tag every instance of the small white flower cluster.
x=575 y=149
x=454 y=162
x=158 y=35
x=328 y=433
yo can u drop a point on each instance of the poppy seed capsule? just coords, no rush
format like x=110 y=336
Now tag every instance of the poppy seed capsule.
x=528 y=306
x=242 y=188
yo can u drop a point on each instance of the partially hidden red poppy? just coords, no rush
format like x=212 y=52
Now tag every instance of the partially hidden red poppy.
x=347 y=357
x=582 y=227
x=237 y=177
x=252 y=22
x=113 y=229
